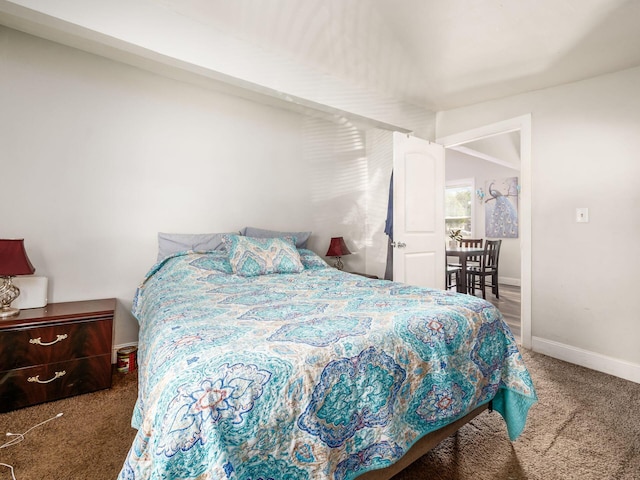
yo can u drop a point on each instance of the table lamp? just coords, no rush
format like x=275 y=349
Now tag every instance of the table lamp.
x=337 y=248
x=13 y=261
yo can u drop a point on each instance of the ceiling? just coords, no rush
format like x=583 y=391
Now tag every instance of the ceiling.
x=438 y=54
x=425 y=54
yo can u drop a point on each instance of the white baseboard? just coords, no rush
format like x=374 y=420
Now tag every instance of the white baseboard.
x=114 y=351
x=585 y=358
x=509 y=281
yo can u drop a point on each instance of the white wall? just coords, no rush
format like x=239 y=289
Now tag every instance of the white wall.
x=585 y=146
x=459 y=166
x=334 y=173
x=238 y=49
x=380 y=157
x=98 y=156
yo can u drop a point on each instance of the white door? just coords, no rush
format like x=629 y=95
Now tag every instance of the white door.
x=418 y=212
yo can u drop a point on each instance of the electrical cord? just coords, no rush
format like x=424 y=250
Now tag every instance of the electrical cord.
x=19 y=437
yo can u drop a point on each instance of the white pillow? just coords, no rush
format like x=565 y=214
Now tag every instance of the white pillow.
x=301 y=237
x=170 y=243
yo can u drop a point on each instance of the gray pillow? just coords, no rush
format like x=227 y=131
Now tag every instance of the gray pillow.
x=301 y=237
x=169 y=243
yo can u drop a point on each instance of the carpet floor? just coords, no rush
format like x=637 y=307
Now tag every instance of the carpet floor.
x=585 y=426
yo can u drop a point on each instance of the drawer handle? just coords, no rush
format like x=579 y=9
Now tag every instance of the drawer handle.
x=36 y=379
x=38 y=341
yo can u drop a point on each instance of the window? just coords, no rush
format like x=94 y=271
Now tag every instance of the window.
x=458 y=207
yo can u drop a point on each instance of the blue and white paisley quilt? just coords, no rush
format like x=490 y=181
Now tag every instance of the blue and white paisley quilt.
x=315 y=375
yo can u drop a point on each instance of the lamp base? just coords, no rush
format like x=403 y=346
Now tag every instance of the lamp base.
x=8 y=293
x=338 y=264
x=6 y=312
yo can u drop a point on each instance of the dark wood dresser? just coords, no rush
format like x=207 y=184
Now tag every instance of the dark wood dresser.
x=57 y=351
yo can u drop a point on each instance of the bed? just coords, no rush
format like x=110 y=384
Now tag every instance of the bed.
x=308 y=372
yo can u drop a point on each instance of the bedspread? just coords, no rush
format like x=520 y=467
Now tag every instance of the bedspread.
x=317 y=375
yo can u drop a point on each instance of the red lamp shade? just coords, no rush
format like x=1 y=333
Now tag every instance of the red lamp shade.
x=13 y=258
x=337 y=248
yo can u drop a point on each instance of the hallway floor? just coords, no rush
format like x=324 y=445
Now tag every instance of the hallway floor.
x=509 y=306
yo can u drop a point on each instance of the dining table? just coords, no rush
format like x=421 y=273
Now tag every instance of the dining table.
x=463 y=254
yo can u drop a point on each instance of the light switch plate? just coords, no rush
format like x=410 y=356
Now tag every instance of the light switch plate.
x=582 y=215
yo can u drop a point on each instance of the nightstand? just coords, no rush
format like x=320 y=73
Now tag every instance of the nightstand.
x=54 y=352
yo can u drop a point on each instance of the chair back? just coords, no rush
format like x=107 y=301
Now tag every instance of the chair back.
x=472 y=243
x=492 y=254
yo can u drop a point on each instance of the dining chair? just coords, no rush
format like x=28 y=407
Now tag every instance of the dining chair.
x=472 y=243
x=477 y=275
x=469 y=243
x=453 y=276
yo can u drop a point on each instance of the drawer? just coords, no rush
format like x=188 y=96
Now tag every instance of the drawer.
x=28 y=386
x=23 y=347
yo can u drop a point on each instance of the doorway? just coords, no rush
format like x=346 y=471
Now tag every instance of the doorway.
x=520 y=126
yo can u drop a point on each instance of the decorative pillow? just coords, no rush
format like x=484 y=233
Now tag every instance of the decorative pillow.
x=301 y=237
x=169 y=243
x=251 y=256
x=311 y=260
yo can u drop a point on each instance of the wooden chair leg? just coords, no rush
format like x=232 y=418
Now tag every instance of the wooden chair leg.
x=494 y=279
x=472 y=279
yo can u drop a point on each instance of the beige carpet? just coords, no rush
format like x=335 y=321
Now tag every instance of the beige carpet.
x=586 y=426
